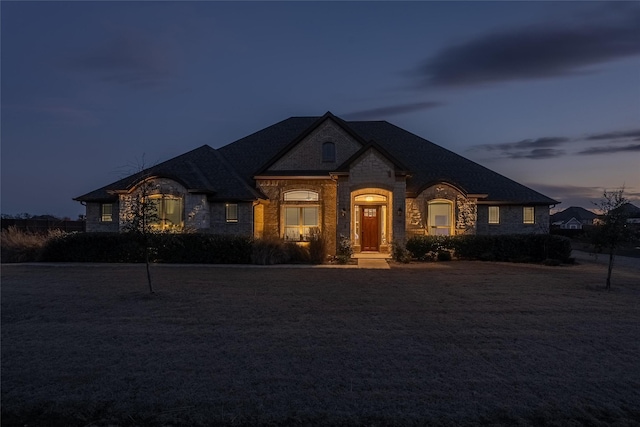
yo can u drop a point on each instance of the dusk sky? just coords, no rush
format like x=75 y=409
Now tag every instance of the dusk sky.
x=546 y=93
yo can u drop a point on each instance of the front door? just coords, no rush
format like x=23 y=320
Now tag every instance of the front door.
x=370 y=230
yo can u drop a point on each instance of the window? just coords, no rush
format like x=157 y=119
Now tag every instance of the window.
x=301 y=196
x=231 y=212
x=107 y=212
x=298 y=222
x=440 y=213
x=528 y=215
x=328 y=152
x=168 y=210
x=494 y=214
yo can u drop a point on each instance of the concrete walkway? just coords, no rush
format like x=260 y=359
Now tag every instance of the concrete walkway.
x=372 y=263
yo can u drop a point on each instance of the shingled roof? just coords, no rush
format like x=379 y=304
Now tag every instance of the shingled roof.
x=581 y=214
x=228 y=172
x=203 y=170
x=427 y=162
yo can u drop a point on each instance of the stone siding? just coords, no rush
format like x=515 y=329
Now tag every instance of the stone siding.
x=373 y=170
x=417 y=210
x=511 y=220
x=307 y=154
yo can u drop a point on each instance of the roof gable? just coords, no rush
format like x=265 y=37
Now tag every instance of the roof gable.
x=305 y=151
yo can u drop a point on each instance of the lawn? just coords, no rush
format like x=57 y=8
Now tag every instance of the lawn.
x=459 y=343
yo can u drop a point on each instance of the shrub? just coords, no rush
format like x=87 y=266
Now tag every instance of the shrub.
x=425 y=248
x=399 y=253
x=344 y=251
x=444 y=255
x=317 y=247
x=165 y=247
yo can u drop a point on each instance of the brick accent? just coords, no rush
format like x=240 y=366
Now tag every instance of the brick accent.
x=273 y=210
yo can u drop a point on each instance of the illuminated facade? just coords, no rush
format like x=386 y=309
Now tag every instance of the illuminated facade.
x=370 y=182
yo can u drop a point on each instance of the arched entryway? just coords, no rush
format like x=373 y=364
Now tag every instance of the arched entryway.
x=370 y=224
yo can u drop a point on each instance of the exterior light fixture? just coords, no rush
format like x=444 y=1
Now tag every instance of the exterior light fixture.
x=343 y=212
x=399 y=211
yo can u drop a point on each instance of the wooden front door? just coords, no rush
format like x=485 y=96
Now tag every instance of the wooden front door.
x=370 y=231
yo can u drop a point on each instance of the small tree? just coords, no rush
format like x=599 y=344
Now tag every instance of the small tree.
x=140 y=215
x=613 y=228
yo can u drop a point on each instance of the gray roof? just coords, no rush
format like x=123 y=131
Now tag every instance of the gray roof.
x=581 y=214
x=229 y=171
x=202 y=170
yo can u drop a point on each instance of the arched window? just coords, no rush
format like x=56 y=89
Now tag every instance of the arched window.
x=301 y=196
x=329 y=152
x=440 y=217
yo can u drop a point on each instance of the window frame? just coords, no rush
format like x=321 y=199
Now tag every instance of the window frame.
x=496 y=210
x=431 y=226
x=528 y=219
x=104 y=215
x=160 y=201
x=300 y=226
x=229 y=214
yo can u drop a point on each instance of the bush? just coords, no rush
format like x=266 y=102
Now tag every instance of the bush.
x=271 y=251
x=514 y=248
x=344 y=251
x=399 y=253
x=130 y=247
x=425 y=248
x=317 y=247
x=444 y=255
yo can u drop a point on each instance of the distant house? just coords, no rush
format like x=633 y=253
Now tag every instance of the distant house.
x=369 y=181
x=573 y=218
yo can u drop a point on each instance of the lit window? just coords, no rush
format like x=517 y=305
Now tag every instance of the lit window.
x=298 y=222
x=231 y=212
x=107 y=212
x=328 y=152
x=301 y=196
x=440 y=213
x=168 y=212
x=528 y=215
x=494 y=214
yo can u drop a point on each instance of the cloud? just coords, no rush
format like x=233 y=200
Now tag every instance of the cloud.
x=129 y=59
x=610 y=150
x=546 y=147
x=391 y=110
x=572 y=195
x=539 y=148
x=614 y=136
x=538 y=153
x=539 y=52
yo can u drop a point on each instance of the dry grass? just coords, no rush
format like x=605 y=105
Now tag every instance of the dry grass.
x=20 y=246
x=466 y=343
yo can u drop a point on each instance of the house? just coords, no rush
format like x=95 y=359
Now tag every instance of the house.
x=369 y=181
x=573 y=218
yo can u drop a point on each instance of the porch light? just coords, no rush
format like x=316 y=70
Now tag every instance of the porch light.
x=399 y=211
x=343 y=212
